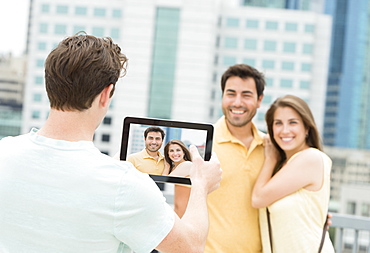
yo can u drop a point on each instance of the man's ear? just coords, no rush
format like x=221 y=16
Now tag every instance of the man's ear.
x=259 y=100
x=105 y=95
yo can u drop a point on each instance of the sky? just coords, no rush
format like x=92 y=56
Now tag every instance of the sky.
x=13 y=26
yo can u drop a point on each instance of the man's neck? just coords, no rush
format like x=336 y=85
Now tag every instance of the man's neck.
x=154 y=154
x=69 y=126
x=243 y=133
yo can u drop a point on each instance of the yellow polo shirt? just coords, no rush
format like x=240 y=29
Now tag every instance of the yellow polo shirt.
x=147 y=164
x=234 y=223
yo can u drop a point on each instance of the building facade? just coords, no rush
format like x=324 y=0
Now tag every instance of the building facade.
x=177 y=53
x=347 y=113
x=12 y=79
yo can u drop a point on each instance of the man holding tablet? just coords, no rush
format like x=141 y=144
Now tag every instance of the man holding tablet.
x=150 y=160
x=59 y=193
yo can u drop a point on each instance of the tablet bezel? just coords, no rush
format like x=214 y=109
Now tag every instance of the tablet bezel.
x=166 y=123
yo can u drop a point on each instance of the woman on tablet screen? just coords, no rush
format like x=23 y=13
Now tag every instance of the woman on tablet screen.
x=178 y=159
x=177 y=163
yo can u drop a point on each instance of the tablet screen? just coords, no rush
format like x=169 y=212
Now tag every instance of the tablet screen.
x=176 y=135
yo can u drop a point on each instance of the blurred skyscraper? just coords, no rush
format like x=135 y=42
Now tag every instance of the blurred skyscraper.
x=178 y=51
x=347 y=114
x=12 y=78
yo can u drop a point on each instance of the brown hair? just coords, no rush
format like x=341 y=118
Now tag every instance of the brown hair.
x=187 y=155
x=154 y=129
x=244 y=71
x=300 y=106
x=79 y=68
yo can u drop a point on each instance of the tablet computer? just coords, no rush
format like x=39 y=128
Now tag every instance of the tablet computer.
x=189 y=133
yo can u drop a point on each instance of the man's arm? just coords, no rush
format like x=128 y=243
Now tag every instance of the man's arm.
x=189 y=234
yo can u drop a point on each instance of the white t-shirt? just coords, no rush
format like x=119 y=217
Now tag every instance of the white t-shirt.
x=61 y=196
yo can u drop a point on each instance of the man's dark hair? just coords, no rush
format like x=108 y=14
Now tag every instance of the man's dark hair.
x=244 y=71
x=79 y=68
x=154 y=129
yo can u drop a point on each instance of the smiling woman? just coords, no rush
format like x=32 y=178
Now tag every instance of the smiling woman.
x=293 y=187
x=177 y=158
x=16 y=14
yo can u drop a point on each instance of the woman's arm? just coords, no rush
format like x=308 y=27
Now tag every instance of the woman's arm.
x=181 y=198
x=166 y=170
x=303 y=171
x=182 y=170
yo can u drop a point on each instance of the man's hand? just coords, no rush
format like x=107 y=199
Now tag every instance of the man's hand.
x=207 y=174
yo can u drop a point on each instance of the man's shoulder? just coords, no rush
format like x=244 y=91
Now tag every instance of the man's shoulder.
x=9 y=141
x=136 y=155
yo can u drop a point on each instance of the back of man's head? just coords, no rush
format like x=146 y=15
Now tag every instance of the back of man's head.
x=79 y=68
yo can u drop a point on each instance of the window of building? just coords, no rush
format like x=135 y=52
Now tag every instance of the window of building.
x=309 y=28
x=41 y=46
x=229 y=60
x=231 y=42
x=39 y=80
x=165 y=44
x=287 y=65
x=250 y=44
x=272 y=25
x=307 y=48
x=365 y=209
x=105 y=138
x=306 y=67
x=268 y=64
x=214 y=77
x=351 y=207
x=218 y=41
x=305 y=85
x=114 y=33
x=37 y=97
x=213 y=95
x=98 y=31
x=252 y=23
x=232 y=22
x=79 y=28
x=116 y=13
x=286 y=83
x=267 y=99
x=35 y=114
x=215 y=60
x=291 y=27
x=269 y=82
x=62 y=9
x=261 y=116
x=43 y=28
x=289 y=47
x=99 y=12
x=107 y=120
x=269 y=45
x=40 y=63
x=60 y=29
x=45 y=8
x=249 y=61
x=211 y=112
x=80 y=10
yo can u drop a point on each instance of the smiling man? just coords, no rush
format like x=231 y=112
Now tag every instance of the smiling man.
x=238 y=144
x=150 y=160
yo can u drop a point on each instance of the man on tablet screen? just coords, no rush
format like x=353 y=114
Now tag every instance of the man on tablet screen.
x=150 y=160
x=59 y=193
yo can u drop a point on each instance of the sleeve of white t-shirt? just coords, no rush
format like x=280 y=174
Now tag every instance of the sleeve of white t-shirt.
x=142 y=216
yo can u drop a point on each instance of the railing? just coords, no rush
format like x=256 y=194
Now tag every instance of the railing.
x=351 y=232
